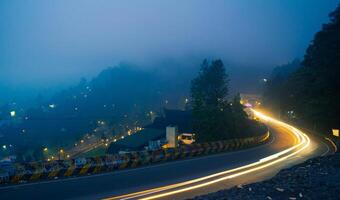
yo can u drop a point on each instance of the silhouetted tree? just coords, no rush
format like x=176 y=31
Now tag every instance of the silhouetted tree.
x=239 y=117
x=211 y=110
x=312 y=92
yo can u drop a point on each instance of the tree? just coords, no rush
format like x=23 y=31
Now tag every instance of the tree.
x=239 y=117
x=315 y=87
x=312 y=92
x=274 y=95
x=211 y=111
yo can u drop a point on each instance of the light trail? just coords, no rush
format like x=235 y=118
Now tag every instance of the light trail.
x=303 y=142
x=334 y=145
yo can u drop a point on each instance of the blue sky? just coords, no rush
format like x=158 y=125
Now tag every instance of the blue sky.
x=52 y=42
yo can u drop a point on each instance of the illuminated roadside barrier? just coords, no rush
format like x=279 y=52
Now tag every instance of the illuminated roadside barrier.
x=70 y=168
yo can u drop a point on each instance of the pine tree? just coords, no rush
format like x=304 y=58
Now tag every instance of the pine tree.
x=313 y=90
x=211 y=110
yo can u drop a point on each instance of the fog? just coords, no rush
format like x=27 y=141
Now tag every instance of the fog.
x=52 y=44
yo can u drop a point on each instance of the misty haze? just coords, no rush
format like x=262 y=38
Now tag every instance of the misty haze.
x=169 y=99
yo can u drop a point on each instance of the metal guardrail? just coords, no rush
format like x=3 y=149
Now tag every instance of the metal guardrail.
x=68 y=168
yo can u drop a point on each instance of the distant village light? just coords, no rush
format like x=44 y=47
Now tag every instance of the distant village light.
x=51 y=106
x=4 y=146
x=13 y=113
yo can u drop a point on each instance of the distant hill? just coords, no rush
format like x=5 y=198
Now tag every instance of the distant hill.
x=284 y=71
x=121 y=96
x=272 y=94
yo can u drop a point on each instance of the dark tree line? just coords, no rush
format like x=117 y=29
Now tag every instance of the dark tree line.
x=311 y=94
x=216 y=118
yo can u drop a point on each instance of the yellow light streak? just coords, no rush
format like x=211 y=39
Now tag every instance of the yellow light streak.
x=334 y=145
x=303 y=142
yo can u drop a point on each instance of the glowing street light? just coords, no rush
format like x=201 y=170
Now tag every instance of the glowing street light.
x=335 y=132
x=45 y=149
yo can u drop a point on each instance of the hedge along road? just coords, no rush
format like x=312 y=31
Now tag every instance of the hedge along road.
x=113 y=185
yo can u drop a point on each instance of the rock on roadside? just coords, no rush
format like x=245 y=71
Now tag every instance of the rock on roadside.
x=317 y=178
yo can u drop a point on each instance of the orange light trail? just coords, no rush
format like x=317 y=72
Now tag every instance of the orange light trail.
x=303 y=142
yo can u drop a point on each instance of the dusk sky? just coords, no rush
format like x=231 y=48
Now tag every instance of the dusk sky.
x=53 y=42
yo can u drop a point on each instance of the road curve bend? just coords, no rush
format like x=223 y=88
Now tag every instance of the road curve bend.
x=185 y=178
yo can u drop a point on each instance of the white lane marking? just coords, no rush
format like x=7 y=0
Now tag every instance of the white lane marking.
x=326 y=152
x=333 y=143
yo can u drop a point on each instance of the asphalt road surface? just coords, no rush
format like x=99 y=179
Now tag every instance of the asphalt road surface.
x=170 y=180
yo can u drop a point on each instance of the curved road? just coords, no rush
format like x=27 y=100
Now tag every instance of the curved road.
x=185 y=178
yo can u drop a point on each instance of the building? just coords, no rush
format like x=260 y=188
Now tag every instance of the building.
x=250 y=100
x=155 y=133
